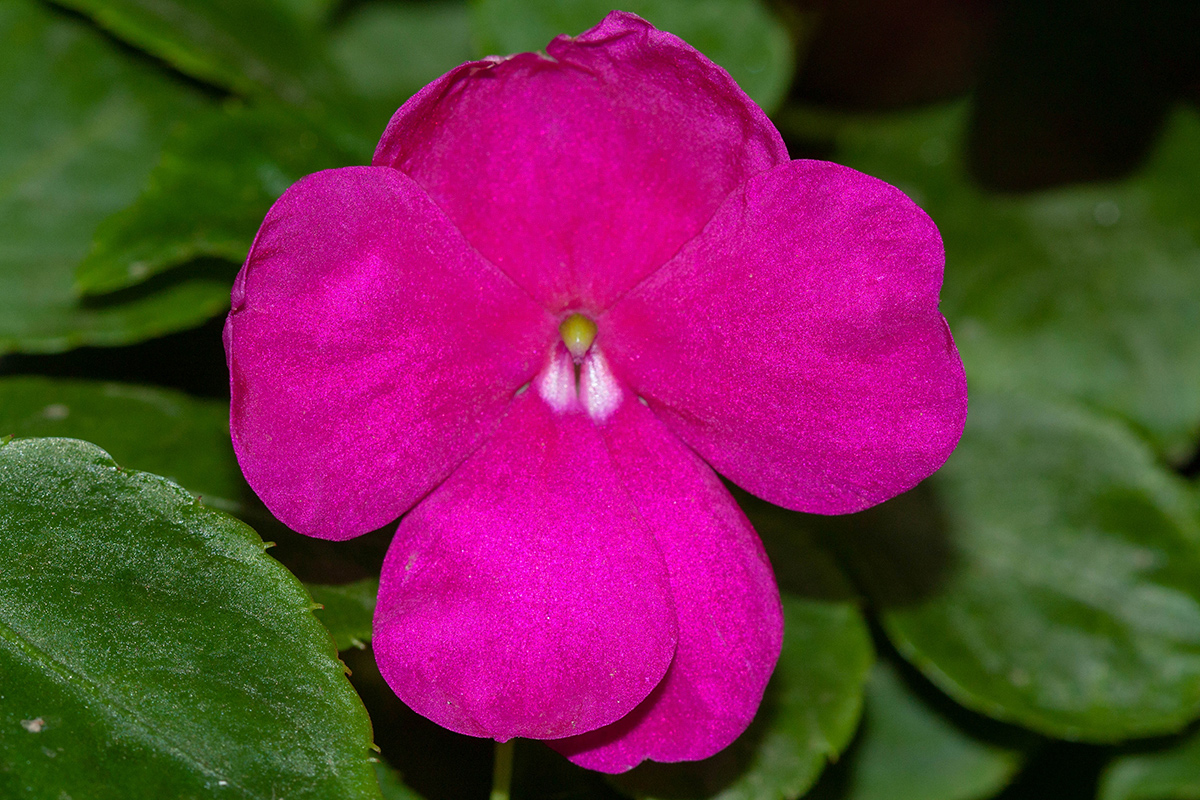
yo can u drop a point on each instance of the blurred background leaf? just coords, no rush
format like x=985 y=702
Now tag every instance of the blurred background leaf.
x=1091 y=292
x=156 y=430
x=390 y=50
x=391 y=785
x=1073 y=605
x=1170 y=773
x=907 y=749
x=346 y=610
x=216 y=179
x=251 y=48
x=92 y=121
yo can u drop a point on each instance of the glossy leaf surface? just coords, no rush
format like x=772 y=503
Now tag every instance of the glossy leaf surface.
x=1069 y=600
x=150 y=648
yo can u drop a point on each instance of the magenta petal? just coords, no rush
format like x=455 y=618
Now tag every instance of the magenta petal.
x=730 y=619
x=524 y=597
x=797 y=345
x=581 y=173
x=370 y=350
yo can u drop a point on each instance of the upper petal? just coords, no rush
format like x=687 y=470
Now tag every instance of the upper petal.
x=797 y=345
x=581 y=173
x=524 y=597
x=730 y=618
x=370 y=350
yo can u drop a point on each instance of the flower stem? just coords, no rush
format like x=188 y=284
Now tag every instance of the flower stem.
x=502 y=770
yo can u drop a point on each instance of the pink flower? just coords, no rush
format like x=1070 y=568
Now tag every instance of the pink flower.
x=569 y=566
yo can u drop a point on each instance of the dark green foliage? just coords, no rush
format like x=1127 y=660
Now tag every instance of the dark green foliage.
x=347 y=610
x=215 y=181
x=907 y=750
x=156 y=430
x=150 y=648
x=1072 y=599
x=83 y=126
x=1044 y=586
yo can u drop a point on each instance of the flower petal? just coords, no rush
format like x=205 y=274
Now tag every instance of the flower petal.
x=370 y=350
x=796 y=344
x=730 y=618
x=581 y=173
x=524 y=597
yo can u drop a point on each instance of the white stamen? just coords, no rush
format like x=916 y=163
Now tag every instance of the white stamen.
x=601 y=392
x=556 y=382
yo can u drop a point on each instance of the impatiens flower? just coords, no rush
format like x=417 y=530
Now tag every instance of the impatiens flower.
x=568 y=289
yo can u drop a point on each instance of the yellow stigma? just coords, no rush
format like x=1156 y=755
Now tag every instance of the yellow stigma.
x=578 y=332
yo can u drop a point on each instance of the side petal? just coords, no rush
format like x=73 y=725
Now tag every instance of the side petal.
x=797 y=345
x=524 y=597
x=370 y=350
x=580 y=173
x=726 y=601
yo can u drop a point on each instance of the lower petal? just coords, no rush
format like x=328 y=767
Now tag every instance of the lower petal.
x=730 y=619
x=525 y=597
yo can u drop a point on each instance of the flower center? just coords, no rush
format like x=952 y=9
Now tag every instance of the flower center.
x=576 y=376
x=578 y=332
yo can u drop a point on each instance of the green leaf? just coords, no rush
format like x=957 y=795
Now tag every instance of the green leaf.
x=347 y=610
x=84 y=125
x=151 y=648
x=312 y=14
x=906 y=750
x=168 y=433
x=391 y=786
x=389 y=51
x=1088 y=291
x=1169 y=774
x=743 y=36
x=216 y=180
x=1070 y=597
x=808 y=715
x=252 y=48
